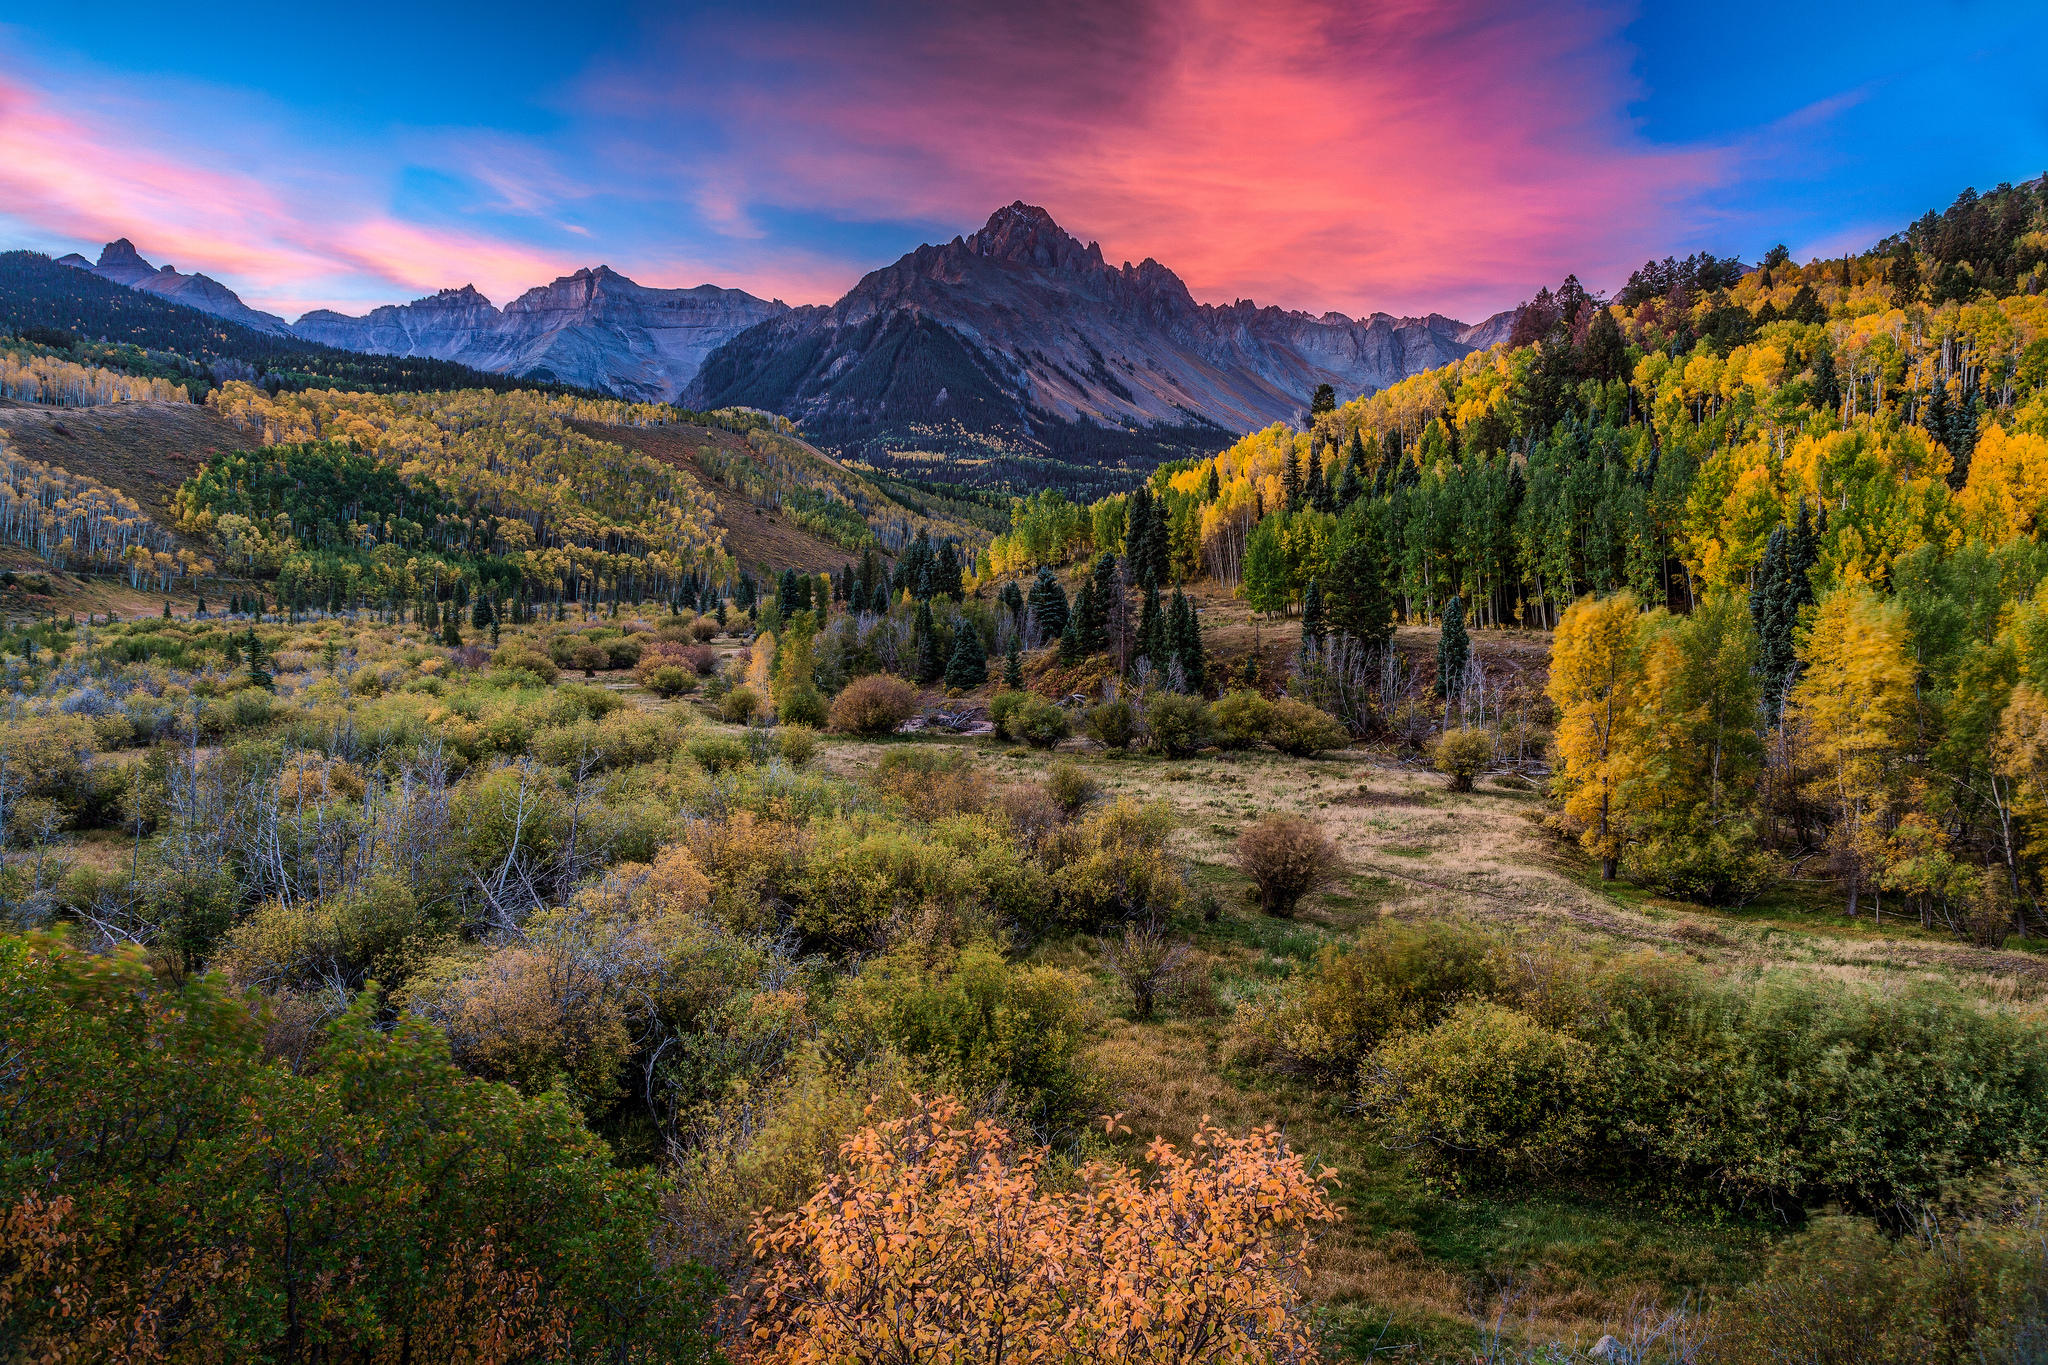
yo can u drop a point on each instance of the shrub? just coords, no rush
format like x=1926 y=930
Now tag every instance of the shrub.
x=1461 y=754
x=1223 y=1284
x=1071 y=787
x=1175 y=725
x=873 y=705
x=590 y=658
x=670 y=681
x=1721 y=865
x=532 y=660
x=701 y=660
x=1239 y=719
x=798 y=744
x=740 y=705
x=979 y=1023
x=704 y=630
x=719 y=753
x=932 y=782
x=1040 y=724
x=1112 y=724
x=1148 y=962
x=623 y=652
x=1004 y=705
x=1303 y=731
x=1287 y=858
x=1486 y=1097
x=802 y=706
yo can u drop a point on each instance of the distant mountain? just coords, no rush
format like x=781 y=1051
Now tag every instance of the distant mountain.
x=120 y=263
x=1019 y=335
x=595 y=328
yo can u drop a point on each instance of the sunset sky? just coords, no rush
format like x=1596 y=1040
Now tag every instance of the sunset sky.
x=1409 y=157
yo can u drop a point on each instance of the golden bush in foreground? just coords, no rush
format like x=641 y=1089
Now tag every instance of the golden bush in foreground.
x=873 y=705
x=939 y=1242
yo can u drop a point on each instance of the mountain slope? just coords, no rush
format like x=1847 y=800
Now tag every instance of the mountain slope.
x=595 y=329
x=1021 y=336
x=120 y=263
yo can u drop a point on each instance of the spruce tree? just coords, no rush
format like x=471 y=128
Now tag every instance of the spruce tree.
x=451 y=634
x=1152 y=630
x=968 y=667
x=1323 y=400
x=1049 y=604
x=1013 y=667
x=925 y=635
x=1453 y=648
x=1827 y=390
x=259 y=676
x=1290 y=483
x=1071 y=651
x=1360 y=605
x=1212 y=487
x=1771 y=614
x=1137 y=523
x=1158 y=546
x=1011 y=597
x=1315 y=489
x=1101 y=601
x=1312 y=624
x=946 y=572
x=1184 y=639
x=1085 y=620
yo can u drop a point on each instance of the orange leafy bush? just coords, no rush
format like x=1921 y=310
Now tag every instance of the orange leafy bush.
x=937 y=1241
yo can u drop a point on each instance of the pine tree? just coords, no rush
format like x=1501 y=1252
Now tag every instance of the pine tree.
x=1315 y=489
x=259 y=676
x=1184 y=640
x=1071 y=651
x=1101 y=603
x=968 y=668
x=1049 y=604
x=167 y=609
x=1827 y=389
x=1290 y=483
x=1013 y=667
x=200 y=610
x=1606 y=354
x=1453 y=648
x=1212 y=487
x=1152 y=630
x=946 y=572
x=1360 y=605
x=1323 y=400
x=451 y=634
x=926 y=637
x=1085 y=620
x=1312 y=625
x=1769 y=599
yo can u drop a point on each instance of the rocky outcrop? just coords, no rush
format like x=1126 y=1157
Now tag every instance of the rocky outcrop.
x=595 y=328
x=1020 y=329
x=122 y=264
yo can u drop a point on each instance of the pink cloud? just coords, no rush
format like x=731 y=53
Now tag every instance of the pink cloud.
x=1314 y=153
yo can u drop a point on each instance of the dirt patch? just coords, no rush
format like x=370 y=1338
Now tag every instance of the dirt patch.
x=144 y=449
x=756 y=536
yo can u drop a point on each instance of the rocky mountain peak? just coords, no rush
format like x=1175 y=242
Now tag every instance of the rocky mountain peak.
x=1026 y=234
x=121 y=254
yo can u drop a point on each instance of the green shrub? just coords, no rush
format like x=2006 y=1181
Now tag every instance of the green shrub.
x=1039 y=723
x=1303 y=731
x=590 y=657
x=1487 y=1097
x=1721 y=865
x=798 y=744
x=1460 y=754
x=623 y=652
x=740 y=705
x=719 y=753
x=1175 y=725
x=530 y=660
x=802 y=706
x=1112 y=724
x=1239 y=719
x=980 y=1024
x=1003 y=705
x=1071 y=787
x=670 y=681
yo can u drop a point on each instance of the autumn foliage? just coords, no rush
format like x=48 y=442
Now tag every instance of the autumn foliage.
x=941 y=1240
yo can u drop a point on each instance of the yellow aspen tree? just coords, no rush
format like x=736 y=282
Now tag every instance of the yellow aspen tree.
x=1854 y=707
x=1595 y=671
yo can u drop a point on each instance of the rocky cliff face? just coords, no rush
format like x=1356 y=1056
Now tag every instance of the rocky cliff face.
x=1021 y=330
x=595 y=328
x=121 y=263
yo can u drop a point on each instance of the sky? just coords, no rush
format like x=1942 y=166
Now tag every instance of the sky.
x=1407 y=157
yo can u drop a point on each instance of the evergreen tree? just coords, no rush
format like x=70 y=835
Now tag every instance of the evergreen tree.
x=1012 y=597
x=1013 y=667
x=1085 y=619
x=1102 y=592
x=1049 y=604
x=857 y=598
x=1312 y=625
x=451 y=634
x=199 y=610
x=1606 y=354
x=1323 y=400
x=968 y=667
x=1212 y=487
x=1360 y=604
x=1290 y=484
x=1152 y=630
x=925 y=635
x=252 y=650
x=167 y=609
x=1772 y=612
x=1184 y=640
x=1316 y=488
x=480 y=613
x=1903 y=275
x=1827 y=389
x=1071 y=650
x=1156 y=548
x=946 y=572
x=1453 y=648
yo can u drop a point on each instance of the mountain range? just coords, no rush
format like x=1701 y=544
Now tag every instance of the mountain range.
x=1014 y=340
